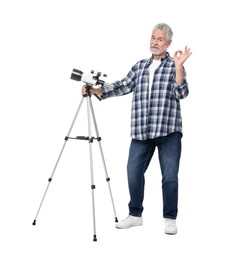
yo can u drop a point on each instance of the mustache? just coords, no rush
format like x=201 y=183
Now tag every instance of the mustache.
x=154 y=46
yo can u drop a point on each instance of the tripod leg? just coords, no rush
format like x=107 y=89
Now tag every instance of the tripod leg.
x=102 y=156
x=91 y=165
x=58 y=159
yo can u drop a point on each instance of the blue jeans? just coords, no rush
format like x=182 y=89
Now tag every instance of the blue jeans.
x=140 y=154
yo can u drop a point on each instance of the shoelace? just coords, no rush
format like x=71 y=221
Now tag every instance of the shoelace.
x=170 y=222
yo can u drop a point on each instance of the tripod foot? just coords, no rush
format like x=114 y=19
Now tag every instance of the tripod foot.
x=34 y=222
x=94 y=238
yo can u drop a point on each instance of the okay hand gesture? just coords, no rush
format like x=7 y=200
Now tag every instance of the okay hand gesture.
x=180 y=57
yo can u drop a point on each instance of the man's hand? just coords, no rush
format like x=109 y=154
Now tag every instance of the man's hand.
x=97 y=91
x=180 y=57
x=83 y=92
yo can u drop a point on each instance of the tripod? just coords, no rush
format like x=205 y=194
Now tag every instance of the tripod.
x=90 y=139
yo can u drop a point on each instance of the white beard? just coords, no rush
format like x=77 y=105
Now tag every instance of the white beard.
x=158 y=51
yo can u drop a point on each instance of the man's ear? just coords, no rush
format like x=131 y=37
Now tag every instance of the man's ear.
x=169 y=43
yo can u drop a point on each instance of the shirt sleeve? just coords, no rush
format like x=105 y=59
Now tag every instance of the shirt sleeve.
x=125 y=86
x=181 y=90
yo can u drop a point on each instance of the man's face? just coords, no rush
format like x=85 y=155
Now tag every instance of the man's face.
x=158 y=43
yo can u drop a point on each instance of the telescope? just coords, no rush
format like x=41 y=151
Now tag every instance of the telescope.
x=92 y=79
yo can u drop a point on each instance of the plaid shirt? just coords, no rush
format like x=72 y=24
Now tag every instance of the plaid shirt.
x=163 y=115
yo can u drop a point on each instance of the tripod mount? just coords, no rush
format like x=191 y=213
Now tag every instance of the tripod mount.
x=90 y=139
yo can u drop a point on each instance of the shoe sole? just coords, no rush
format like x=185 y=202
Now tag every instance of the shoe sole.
x=171 y=233
x=129 y=226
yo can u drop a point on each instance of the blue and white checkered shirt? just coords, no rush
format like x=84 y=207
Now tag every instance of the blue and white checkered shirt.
x=163 y=115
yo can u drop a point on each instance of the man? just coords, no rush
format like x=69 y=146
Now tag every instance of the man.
x=157 y=83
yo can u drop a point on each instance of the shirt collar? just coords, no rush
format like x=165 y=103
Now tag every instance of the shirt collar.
x=149 y=61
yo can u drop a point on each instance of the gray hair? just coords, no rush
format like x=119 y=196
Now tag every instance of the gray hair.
x=166 y=28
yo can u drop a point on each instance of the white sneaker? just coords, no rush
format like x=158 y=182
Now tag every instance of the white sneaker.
x=170 y=226
x=129 y=222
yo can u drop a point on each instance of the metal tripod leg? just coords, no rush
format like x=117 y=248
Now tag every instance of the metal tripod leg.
x=91 y=166
x=102 y=156
x=58 y=159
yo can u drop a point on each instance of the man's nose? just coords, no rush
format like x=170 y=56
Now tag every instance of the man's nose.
x=154 y=42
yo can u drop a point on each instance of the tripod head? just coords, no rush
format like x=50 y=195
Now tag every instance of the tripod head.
x=88 y=92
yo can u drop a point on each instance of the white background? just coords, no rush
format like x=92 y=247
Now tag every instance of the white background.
x=41 y=42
